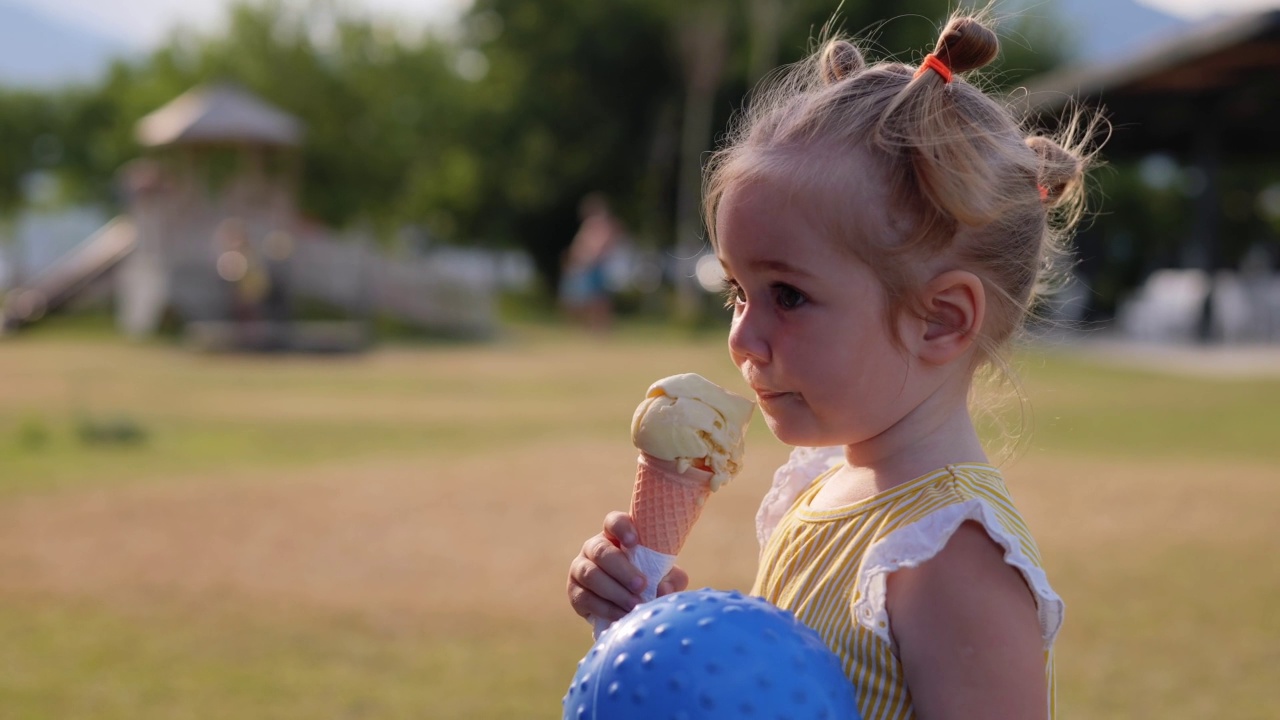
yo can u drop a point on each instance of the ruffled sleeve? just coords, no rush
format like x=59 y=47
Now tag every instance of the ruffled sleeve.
x=796 y=474
x=913 y=544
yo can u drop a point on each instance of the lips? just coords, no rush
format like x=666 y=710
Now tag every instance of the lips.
x=765 y=395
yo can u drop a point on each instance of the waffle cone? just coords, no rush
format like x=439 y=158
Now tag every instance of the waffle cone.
x=666 y=503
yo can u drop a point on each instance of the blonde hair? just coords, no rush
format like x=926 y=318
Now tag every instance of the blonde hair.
x=966 y=182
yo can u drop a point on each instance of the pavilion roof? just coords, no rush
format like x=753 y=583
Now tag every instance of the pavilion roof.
x=221 y=113
x=1220 y=74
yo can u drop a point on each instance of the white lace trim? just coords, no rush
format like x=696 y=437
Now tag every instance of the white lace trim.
x=791 y=479
x=914 y=544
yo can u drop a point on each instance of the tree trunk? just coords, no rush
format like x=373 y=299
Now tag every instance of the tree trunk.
x=766 y=22
x=703 y=51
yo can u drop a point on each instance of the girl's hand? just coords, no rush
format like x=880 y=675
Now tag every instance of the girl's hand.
x=602 y=581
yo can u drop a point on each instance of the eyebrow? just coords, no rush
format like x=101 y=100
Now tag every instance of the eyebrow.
x=780 y=266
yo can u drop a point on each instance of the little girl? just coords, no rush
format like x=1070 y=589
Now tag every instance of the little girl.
x=883 y=229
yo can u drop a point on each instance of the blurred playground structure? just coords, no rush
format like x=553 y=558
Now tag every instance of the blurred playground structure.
x=212 y=238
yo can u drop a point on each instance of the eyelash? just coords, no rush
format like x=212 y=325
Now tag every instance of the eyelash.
x=733 y=292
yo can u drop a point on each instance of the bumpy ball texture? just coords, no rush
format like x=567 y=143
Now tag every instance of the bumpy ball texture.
x=709 y=655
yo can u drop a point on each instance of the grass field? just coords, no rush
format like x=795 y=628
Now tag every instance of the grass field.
x=386 y=536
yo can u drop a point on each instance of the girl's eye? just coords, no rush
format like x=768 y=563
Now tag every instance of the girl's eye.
x=787 y=297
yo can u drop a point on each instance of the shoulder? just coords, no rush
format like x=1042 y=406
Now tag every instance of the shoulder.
x=966 y=593
x=969 y=568
x=960 y=493
x=977 y=540
x=967 y=630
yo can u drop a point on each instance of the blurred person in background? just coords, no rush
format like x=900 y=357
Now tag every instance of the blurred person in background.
x=241 y=267
x=584 y=285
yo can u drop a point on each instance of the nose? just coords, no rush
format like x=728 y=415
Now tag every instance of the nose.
x=748 y=339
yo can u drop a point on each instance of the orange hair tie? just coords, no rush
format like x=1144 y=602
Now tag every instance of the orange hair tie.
x=934 y=63
x=1044 y=193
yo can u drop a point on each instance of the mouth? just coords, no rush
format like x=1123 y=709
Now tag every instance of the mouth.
x=766 y=395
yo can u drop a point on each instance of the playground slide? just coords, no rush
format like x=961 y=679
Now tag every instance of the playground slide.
x=85 y=263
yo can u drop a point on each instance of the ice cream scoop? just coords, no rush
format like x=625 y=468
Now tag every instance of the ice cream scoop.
x=693 y=422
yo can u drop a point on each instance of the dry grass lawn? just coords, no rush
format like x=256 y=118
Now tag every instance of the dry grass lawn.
x=387 y=536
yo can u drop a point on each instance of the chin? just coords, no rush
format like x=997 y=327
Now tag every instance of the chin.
x=780 y=430
x=795 y=434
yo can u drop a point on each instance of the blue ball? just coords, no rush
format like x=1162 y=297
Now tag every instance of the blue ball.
x=709 y=655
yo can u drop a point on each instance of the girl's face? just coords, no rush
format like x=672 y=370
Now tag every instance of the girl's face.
x=808 y=327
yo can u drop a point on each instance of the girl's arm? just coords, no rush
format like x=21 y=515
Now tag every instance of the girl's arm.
x=968 y=635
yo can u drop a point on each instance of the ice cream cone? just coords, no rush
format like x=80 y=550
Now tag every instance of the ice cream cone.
x=690 y=435
x=666 y=503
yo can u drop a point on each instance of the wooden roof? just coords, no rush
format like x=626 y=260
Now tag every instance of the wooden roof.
x=1222 y=75
x=218 y=114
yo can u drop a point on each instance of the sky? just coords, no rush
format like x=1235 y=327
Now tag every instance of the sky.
x=1195 y=9
x=145 y=23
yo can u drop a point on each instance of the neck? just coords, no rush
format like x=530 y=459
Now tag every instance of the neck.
x=937 y=433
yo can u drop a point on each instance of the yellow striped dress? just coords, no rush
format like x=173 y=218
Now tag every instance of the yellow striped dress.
x=829 y=567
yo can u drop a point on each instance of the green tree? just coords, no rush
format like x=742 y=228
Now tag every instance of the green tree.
x=27 y=124
x=578 y=98
x=377 y=110
x=490 y=132
x=589 y=96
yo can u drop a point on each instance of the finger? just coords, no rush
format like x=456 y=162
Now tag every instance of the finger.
x=619 y=526
x=608 y=572
x=591 y=606
x=592 y=592
x=676 y=581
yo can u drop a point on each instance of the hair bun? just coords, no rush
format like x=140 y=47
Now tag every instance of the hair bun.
x=1059 y=169
x=839 y=60
x=966 y=44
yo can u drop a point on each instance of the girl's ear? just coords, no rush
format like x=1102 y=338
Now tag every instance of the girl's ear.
x=955 y=305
